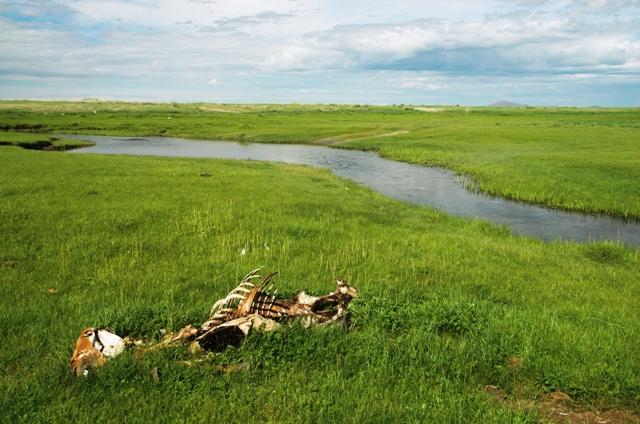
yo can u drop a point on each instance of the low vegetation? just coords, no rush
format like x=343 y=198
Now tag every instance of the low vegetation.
x=577 y=159
x=40 y=141
x=451 y=311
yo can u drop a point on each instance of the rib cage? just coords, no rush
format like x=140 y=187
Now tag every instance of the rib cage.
x=223 y=309
x=258 y=300
x=265 y=304
x=247 y=298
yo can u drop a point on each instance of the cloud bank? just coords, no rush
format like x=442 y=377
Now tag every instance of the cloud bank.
x=533 y=51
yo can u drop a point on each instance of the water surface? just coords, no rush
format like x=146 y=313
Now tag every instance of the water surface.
x=434 y=187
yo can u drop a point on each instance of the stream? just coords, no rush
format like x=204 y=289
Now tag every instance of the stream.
x=434 y=187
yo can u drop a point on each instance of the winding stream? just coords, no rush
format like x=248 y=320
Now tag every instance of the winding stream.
x=434 y=187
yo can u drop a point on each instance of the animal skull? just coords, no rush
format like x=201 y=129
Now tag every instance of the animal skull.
x=93 y=348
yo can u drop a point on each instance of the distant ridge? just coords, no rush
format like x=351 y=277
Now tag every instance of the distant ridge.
x=504 y=103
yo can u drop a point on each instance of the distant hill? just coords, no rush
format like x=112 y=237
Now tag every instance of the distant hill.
x=504 y=103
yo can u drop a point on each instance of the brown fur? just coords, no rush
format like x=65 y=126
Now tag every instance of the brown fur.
x=85 y=355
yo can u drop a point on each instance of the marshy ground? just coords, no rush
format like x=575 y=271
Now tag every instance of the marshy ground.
x=40 y=141
x=571 y=158
x=457 y=320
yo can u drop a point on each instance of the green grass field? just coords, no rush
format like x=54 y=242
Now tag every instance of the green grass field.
x=447 y=306
x=576 y=159
x=143 y=244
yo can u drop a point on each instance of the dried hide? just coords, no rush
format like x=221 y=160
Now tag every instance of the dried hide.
x=232 y=333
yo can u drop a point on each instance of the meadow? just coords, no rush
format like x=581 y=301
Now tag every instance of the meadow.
x=575 y=159
x=457 y=320
x=143 y=244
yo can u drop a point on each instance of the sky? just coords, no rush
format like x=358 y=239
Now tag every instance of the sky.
x=473 y=52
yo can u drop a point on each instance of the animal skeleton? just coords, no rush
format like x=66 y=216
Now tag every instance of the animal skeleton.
x=254 y=306
x=248 y=306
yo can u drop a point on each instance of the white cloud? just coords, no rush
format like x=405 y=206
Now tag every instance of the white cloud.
x=424 y=45
x=163 y=13
x=494 y=44
x=138 y=55
x=298 y=57
x=607 y=6
x=418 y=83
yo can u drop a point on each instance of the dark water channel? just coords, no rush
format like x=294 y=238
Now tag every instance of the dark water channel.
x=434 y=187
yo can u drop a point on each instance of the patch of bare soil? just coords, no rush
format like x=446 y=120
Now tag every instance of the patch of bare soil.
x=332 y=141
x=558 y=407
x=429 y=109
x=327 y=141
x=217 y=109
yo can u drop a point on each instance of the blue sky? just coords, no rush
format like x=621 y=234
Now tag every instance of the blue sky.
x=473 y=52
